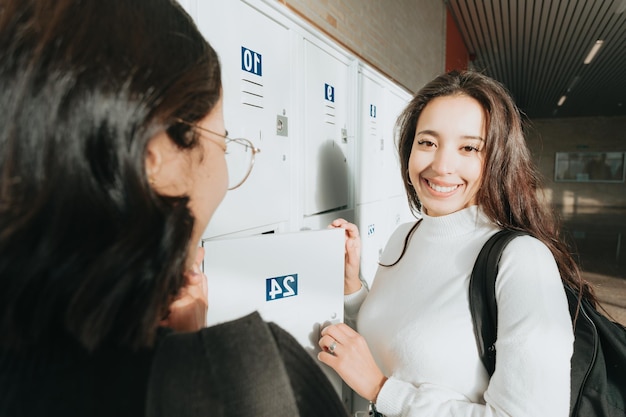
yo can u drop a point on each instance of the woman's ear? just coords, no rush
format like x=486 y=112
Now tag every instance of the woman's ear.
x=154 y=156
x=167 y=166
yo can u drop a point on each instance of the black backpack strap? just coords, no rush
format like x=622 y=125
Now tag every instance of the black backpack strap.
x=482 y=295
x=598 y=364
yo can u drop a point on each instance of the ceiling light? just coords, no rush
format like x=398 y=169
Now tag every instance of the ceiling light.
x=561 y=101
x=571 y=85
x=594 y=50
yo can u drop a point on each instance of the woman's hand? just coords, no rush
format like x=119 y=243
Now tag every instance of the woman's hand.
x=188 y=311
x=347 y=353
x=352 y=283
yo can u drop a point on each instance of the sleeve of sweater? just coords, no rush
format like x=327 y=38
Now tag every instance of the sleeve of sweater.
x=534 y=347
x=352 y=305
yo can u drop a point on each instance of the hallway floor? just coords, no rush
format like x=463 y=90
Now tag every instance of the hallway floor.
x=600 y=239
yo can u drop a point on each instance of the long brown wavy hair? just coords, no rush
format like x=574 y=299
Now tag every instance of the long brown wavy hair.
x=509 y=192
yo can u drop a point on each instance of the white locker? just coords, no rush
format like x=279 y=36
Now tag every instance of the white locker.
x=255 y=54
x=376 y=222
x=326 y=153
x=322 y=221
x=371 y=136
x=396 y=100
x=399 y=213
x=371 y=222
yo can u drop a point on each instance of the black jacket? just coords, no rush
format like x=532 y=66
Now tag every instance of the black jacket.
x=246 y=367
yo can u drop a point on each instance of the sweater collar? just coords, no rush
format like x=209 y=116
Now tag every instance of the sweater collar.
x=458 y=224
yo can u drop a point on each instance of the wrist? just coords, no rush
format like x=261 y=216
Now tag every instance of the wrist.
x=351 y=287
x=377 y=389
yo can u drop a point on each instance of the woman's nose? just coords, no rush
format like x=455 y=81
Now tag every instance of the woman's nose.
x=444 y=161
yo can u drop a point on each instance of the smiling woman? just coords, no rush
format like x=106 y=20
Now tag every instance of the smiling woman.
x=446 y=163
x=467 y=174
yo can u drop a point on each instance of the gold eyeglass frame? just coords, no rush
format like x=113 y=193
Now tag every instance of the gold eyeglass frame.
x=227 y=140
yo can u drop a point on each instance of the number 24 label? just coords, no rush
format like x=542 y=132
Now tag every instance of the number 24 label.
x=281 y=287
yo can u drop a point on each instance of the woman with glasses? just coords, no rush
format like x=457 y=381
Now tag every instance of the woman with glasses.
x=113 y=158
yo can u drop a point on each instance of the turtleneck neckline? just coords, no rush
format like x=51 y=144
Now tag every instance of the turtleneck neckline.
x=457 y=224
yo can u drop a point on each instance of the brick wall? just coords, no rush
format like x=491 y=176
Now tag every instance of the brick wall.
x=585 y=134
x=403 y=39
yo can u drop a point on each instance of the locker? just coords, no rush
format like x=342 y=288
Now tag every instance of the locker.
x=399 y=213
x=327 y=161
x=396 y=100
x=255 y=54
x=376 y=222
x=321 y=221
x=370 y=180
x=370 y=218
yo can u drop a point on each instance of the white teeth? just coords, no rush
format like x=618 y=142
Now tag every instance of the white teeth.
x=442 y=189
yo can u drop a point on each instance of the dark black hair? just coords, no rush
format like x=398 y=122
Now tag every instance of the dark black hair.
x=87 y=248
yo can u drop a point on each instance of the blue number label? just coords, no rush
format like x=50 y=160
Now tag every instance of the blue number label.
x=251 y=61
x=329 y=92
x=281 y=287
x=373 y=111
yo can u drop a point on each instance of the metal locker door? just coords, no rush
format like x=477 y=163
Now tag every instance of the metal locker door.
x=255 y=53
x=371 y=144
x=326 y=100
x=370 y=220
x=395 y=104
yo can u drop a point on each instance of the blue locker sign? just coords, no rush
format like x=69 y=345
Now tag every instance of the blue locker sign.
x=281 y=287
x=373 y=111
x=329 y=92
x=251 y=61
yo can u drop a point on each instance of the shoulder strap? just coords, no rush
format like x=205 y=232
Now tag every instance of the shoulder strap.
x=482 y=295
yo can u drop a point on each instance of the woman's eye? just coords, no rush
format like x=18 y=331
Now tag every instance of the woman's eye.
x=424 y=142
x=470 y=148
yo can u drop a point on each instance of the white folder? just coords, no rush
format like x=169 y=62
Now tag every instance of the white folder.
x=293 y=279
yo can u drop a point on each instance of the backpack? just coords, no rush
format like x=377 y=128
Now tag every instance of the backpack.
x=598 y=364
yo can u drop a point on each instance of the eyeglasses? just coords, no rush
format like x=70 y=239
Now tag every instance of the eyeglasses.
x=239 y=159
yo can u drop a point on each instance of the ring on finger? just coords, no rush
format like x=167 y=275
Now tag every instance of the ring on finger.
x=332 y=347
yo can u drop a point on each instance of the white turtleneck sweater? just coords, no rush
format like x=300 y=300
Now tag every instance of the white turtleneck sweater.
x=417 y=323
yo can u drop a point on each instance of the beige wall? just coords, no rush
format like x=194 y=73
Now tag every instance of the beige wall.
x=404 y=39
x=589 y=134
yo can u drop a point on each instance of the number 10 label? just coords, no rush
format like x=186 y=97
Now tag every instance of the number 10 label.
x=251 y=61
x=281 y=287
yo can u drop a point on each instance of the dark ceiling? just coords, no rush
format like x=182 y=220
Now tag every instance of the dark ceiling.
x=536 y=49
